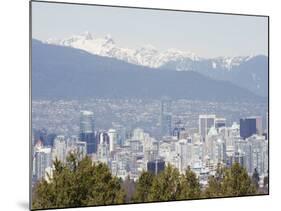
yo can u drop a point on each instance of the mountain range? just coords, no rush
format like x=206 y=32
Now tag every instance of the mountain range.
x=250 y=72
x=67 y=72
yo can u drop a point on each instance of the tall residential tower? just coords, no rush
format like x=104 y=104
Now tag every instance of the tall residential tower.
x=87 y=133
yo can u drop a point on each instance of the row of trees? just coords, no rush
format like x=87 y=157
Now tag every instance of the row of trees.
x=78 y=183
x=81 y=183
x=168 y=185
x=171 y=185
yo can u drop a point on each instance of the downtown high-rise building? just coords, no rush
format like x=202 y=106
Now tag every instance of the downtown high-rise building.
x=102 y=138
x=40 y=135
x=178 y=129
x=63 y=146
x=113 y=138
x=183 y=151
x=121 y=134
x=59 y=151
x=156 y=166
x=81 y=149
x=42 y=161
x=259 y=125
x=258 y=154
x=220 y=122
x=103 y=152
x=166 y=118
x=103 y=147
x=248 y=127
x=206 y=122
x=87 y=133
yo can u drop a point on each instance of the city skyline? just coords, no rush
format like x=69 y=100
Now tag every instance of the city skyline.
x=101 y=143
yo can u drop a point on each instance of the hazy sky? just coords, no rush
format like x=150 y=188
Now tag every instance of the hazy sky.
x=207 y=35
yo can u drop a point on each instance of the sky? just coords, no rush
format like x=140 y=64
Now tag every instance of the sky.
x=206 y=35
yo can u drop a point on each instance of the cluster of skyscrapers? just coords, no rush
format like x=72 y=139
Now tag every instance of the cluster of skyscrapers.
x=128 y=153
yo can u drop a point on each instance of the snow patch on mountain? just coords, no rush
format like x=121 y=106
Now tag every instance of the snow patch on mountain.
x=214 y=65
x=147 y=55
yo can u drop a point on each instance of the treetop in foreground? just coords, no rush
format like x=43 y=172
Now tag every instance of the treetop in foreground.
x=84 y=183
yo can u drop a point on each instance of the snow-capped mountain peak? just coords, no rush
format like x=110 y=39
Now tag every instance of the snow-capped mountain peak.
x=146 y=55
x=87 y=35
x=108 y=39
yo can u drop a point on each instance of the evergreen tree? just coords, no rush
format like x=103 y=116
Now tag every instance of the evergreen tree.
x=143 y=187
x=214 y=188
x=105 y=189
x=166 y=185
x=190 y=187
x=78 y=183
x=236 y=182
x=82 y=183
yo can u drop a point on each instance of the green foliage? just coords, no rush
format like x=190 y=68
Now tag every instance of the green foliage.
x=214 y=188
x=82 y=183
x=190 y=187
x=236 y=182
x=78 y=183
x=166 y=186
x=143 y=187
